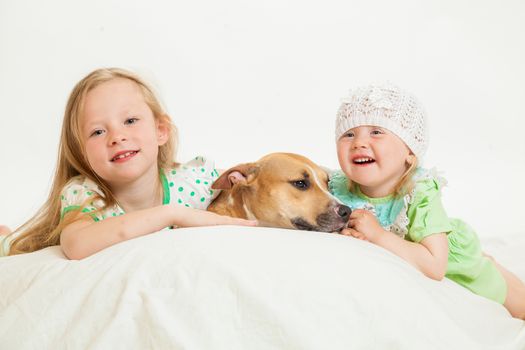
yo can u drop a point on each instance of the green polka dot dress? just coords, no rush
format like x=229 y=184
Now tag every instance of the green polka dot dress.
x=188 y=185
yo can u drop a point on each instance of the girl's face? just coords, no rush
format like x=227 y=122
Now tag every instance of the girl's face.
x=121 y=136
x=374 y=158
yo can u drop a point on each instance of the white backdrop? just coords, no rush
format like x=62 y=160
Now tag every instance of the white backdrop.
x=242 y=79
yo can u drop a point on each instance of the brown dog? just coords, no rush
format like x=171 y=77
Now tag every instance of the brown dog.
x=280 y=190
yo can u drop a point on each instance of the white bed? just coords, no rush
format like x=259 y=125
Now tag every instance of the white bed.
x=244 y=288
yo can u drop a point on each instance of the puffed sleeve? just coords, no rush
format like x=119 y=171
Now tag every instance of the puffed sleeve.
x=426 y=213
x=189 y=184
x=80 y=194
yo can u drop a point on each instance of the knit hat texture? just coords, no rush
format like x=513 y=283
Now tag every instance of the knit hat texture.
x=387 y=106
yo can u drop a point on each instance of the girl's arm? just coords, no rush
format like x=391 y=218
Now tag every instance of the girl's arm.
x=430 y=256
x=85 y=237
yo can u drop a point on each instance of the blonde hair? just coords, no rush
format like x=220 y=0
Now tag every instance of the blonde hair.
x=403 y=186
x=44 y=228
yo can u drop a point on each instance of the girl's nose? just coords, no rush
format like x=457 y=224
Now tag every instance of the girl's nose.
x=116 y=138
x=359 y=142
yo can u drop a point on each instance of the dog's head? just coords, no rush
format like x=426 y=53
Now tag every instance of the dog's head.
x=284 y=190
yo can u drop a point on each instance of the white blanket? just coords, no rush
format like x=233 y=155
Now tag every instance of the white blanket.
x=241 y=288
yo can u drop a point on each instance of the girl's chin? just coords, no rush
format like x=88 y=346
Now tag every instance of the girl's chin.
x=362 y=180
x=364 y=185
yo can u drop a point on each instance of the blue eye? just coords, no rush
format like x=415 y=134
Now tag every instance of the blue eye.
x=97 y=133
x=130 y=121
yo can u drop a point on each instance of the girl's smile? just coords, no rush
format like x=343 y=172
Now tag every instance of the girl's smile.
x=374 y=158
x=362 y=160
x=123 y=156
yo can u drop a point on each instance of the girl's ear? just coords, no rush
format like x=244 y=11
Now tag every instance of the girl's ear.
x=163 y=132
x=411 y=159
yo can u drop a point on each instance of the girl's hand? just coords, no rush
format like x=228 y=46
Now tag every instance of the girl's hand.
x=216 y=219
x=353 y=233
x=197 y=217
x=363 y=225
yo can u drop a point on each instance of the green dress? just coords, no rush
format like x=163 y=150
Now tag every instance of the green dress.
x=420 y=214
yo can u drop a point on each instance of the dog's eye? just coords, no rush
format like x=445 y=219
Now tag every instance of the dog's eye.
x=301 y=184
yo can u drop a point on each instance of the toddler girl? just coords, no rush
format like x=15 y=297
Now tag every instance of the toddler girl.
x=115 y=178
x=381 y=135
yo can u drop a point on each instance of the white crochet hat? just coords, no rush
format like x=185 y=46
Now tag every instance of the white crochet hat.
x=386 y=106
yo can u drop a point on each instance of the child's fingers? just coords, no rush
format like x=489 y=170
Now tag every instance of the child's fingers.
x=243 y=222
x=350 y=232
x=357 y=213
x=354 y=233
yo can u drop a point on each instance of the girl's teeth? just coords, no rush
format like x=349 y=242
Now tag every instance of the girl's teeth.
x=127 y=154
x=363 y=160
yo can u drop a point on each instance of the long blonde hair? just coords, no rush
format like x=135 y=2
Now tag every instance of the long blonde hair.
x=44 y=228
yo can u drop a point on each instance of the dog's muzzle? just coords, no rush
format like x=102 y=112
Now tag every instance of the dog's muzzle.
x=333 y=220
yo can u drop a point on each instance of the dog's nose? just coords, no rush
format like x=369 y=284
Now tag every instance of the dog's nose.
x=343 y=211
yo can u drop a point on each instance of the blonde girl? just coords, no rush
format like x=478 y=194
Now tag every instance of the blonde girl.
x=381 y=135
x=115 y=177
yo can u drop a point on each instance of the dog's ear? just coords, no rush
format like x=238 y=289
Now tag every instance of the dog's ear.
x=240 y=174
